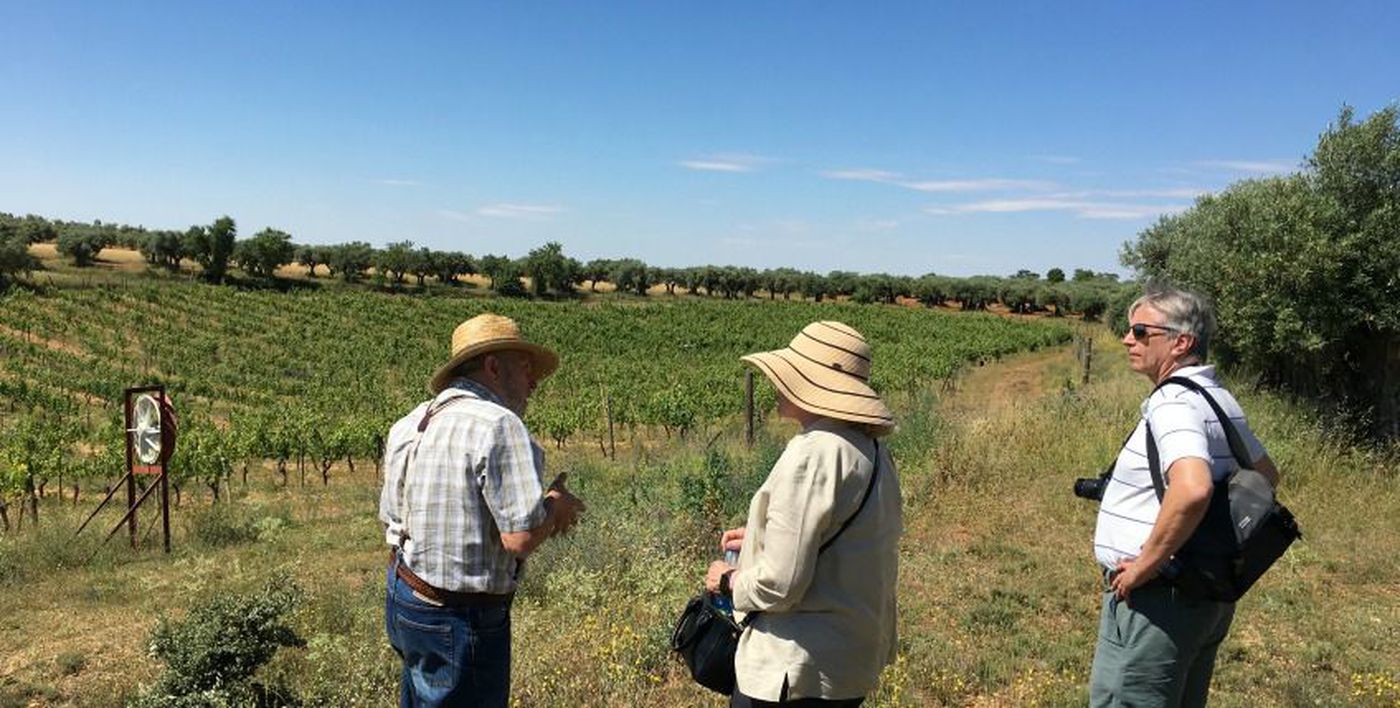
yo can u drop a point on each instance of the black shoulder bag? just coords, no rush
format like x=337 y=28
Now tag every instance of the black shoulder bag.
x=706 y=637
x=1244 y=530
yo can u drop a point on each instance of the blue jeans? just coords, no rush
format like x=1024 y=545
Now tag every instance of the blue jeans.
x=452 y=656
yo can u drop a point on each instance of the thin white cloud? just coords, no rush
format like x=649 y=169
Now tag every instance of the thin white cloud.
x=1129 y=212
x=1169 y=193
x=714 y=166
x=533 y=212
x=400 y=182
x=728 y=162
x=1251 y=166
x=977 y=185
x=861 y=174
x=454 y=215
x=1056 y=159
x=1174 y=193
x=1081 y=208
x=989 y=184
x=1002 y=206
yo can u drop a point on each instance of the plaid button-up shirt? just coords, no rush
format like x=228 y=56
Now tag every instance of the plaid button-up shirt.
x=449 y=493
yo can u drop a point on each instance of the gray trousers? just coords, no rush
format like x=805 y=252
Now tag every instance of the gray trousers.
x=1157 y=649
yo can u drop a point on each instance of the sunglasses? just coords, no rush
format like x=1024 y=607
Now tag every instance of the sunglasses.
x=1140 y=330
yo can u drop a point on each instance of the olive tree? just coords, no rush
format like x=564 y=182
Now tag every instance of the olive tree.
x=268 y=250
x=1304 y=270
x=14 y=255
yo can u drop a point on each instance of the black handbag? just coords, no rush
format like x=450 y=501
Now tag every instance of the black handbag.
x=1244 y=529
x=707 y=637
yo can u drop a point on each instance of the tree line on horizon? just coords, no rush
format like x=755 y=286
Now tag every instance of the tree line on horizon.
x=548 y=271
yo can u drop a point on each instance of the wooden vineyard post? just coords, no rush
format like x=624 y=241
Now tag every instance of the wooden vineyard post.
x=748 y=408
x=1088 y=359
x=612 y=439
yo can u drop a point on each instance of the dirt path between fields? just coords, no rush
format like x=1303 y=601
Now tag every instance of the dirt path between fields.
x=1022 y=377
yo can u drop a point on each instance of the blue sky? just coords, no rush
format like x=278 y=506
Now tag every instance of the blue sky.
x=898 y=137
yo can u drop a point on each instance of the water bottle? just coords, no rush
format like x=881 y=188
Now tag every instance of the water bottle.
x=722 y=602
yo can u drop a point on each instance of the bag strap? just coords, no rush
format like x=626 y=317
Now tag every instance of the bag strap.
x=1232 y=436
x=864 y=498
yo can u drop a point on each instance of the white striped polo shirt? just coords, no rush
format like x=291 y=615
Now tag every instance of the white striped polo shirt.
x=1184 y=426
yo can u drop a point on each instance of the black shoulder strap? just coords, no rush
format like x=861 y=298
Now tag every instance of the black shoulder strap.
x=865 y=498
x=1232 y=436
x=751 y=616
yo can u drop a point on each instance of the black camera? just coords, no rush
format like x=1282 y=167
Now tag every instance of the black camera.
x=1091 y=488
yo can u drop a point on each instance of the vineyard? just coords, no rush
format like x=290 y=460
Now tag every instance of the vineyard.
x=287 y=387
x=309 y=380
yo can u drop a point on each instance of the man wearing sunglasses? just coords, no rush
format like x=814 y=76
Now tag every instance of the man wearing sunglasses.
x=1157 y=647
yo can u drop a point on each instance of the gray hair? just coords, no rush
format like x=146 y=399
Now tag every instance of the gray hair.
x=1185 y=312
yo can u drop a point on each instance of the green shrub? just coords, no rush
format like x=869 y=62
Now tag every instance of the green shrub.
x=71 y=663
x=231 y=524
x=211 y=657
x=223 y=525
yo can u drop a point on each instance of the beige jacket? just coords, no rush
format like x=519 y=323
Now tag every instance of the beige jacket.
x=828 y=622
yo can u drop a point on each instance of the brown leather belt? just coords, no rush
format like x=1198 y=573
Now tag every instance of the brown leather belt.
x=450 y=598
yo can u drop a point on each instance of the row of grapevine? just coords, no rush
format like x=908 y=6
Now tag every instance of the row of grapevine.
x=306 y=379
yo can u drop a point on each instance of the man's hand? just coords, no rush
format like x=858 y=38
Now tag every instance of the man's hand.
x=712 y=576
x=1183 y=507
x=1130 y=574
x=732 y=540
x=564 y=508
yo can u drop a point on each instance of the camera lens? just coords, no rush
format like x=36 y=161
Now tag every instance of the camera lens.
x=1089 y=488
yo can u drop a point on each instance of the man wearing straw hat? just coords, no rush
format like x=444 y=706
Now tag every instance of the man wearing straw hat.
x=464 y=501
x=819 y=554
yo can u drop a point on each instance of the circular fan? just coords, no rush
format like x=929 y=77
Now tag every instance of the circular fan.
x=146 y=429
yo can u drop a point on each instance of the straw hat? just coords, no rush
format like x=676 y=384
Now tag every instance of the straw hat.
x=488 y=333
x=826 y=370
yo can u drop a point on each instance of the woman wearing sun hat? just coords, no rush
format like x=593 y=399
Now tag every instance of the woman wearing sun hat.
x=818 y=557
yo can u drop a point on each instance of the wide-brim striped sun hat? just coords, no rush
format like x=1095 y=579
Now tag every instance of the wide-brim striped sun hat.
x=826 y=371
x=488 y=333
